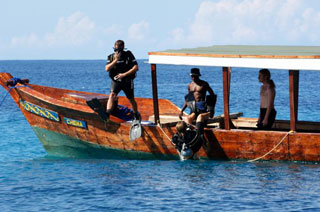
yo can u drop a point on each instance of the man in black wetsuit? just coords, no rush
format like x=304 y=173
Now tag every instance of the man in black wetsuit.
x=187 y=140
x=122 y=67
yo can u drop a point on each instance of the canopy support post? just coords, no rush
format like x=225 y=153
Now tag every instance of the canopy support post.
x=155 y=93
x=294 y=94
x=226 y=72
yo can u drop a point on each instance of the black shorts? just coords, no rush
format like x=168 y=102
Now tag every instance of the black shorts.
x=126 y=86
x=271 y=119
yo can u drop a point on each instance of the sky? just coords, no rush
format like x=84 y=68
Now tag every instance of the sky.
x=82 y=29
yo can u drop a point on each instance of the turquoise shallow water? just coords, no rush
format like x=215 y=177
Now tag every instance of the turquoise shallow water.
x=32 y=181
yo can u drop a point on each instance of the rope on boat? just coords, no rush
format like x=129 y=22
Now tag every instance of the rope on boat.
x=290 y=132
x=15 y=81
x=5 y=96
x=164 y=132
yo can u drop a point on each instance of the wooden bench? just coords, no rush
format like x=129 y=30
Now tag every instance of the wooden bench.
x=282 y=125
x=81 y=98
x=301 y=126
x=172 y=120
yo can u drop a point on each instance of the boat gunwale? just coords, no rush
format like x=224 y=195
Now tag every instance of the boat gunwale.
x=53 y=101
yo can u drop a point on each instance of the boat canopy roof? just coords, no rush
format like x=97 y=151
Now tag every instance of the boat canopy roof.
x=246 y=56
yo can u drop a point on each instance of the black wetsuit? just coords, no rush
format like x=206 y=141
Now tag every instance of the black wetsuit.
x=192 y=139
x=124 y=64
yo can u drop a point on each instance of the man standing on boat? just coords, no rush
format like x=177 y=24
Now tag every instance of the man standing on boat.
x=196 y=98
x=122 y=67
x=267 y=95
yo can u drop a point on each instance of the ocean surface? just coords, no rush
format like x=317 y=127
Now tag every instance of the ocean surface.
x=30 y=180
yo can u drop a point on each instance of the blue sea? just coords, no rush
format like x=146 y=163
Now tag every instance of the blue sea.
x=30 y=180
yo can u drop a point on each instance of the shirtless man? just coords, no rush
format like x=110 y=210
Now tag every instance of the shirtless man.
x=197 y=89
x=267 y=95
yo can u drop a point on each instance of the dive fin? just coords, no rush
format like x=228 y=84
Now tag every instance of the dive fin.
x=135 y=130
x=96 y=106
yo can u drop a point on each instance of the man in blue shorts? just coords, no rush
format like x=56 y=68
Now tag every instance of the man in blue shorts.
x=122 y=67
x=197 y=90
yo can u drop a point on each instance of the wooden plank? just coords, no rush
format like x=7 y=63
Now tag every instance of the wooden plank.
x=155 y=93
x=79 y=98
x=293 y=92
x=247 y=56
x=236 y=55
x=226 y=71
x=271 y=63
x=284 y=125
x=173 y=119
x=247 y=51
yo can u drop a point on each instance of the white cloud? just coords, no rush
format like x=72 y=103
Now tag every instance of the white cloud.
x=114 y=29
x=138 y=31
x=30 y=40
x=310 y=25
x=178 y=34
x=251 y=22
x=241 y=33
x=74 y=30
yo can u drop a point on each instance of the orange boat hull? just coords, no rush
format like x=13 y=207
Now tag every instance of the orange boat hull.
x=67 y=126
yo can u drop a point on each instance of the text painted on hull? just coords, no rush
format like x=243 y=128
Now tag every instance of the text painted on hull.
x=40 y=111
x=75 y=123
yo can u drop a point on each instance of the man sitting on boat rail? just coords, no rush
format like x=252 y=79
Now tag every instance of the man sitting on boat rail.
x=196 y=98
x=122 y=67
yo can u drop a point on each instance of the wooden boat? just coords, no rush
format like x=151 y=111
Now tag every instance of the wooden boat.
x=67 y=126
